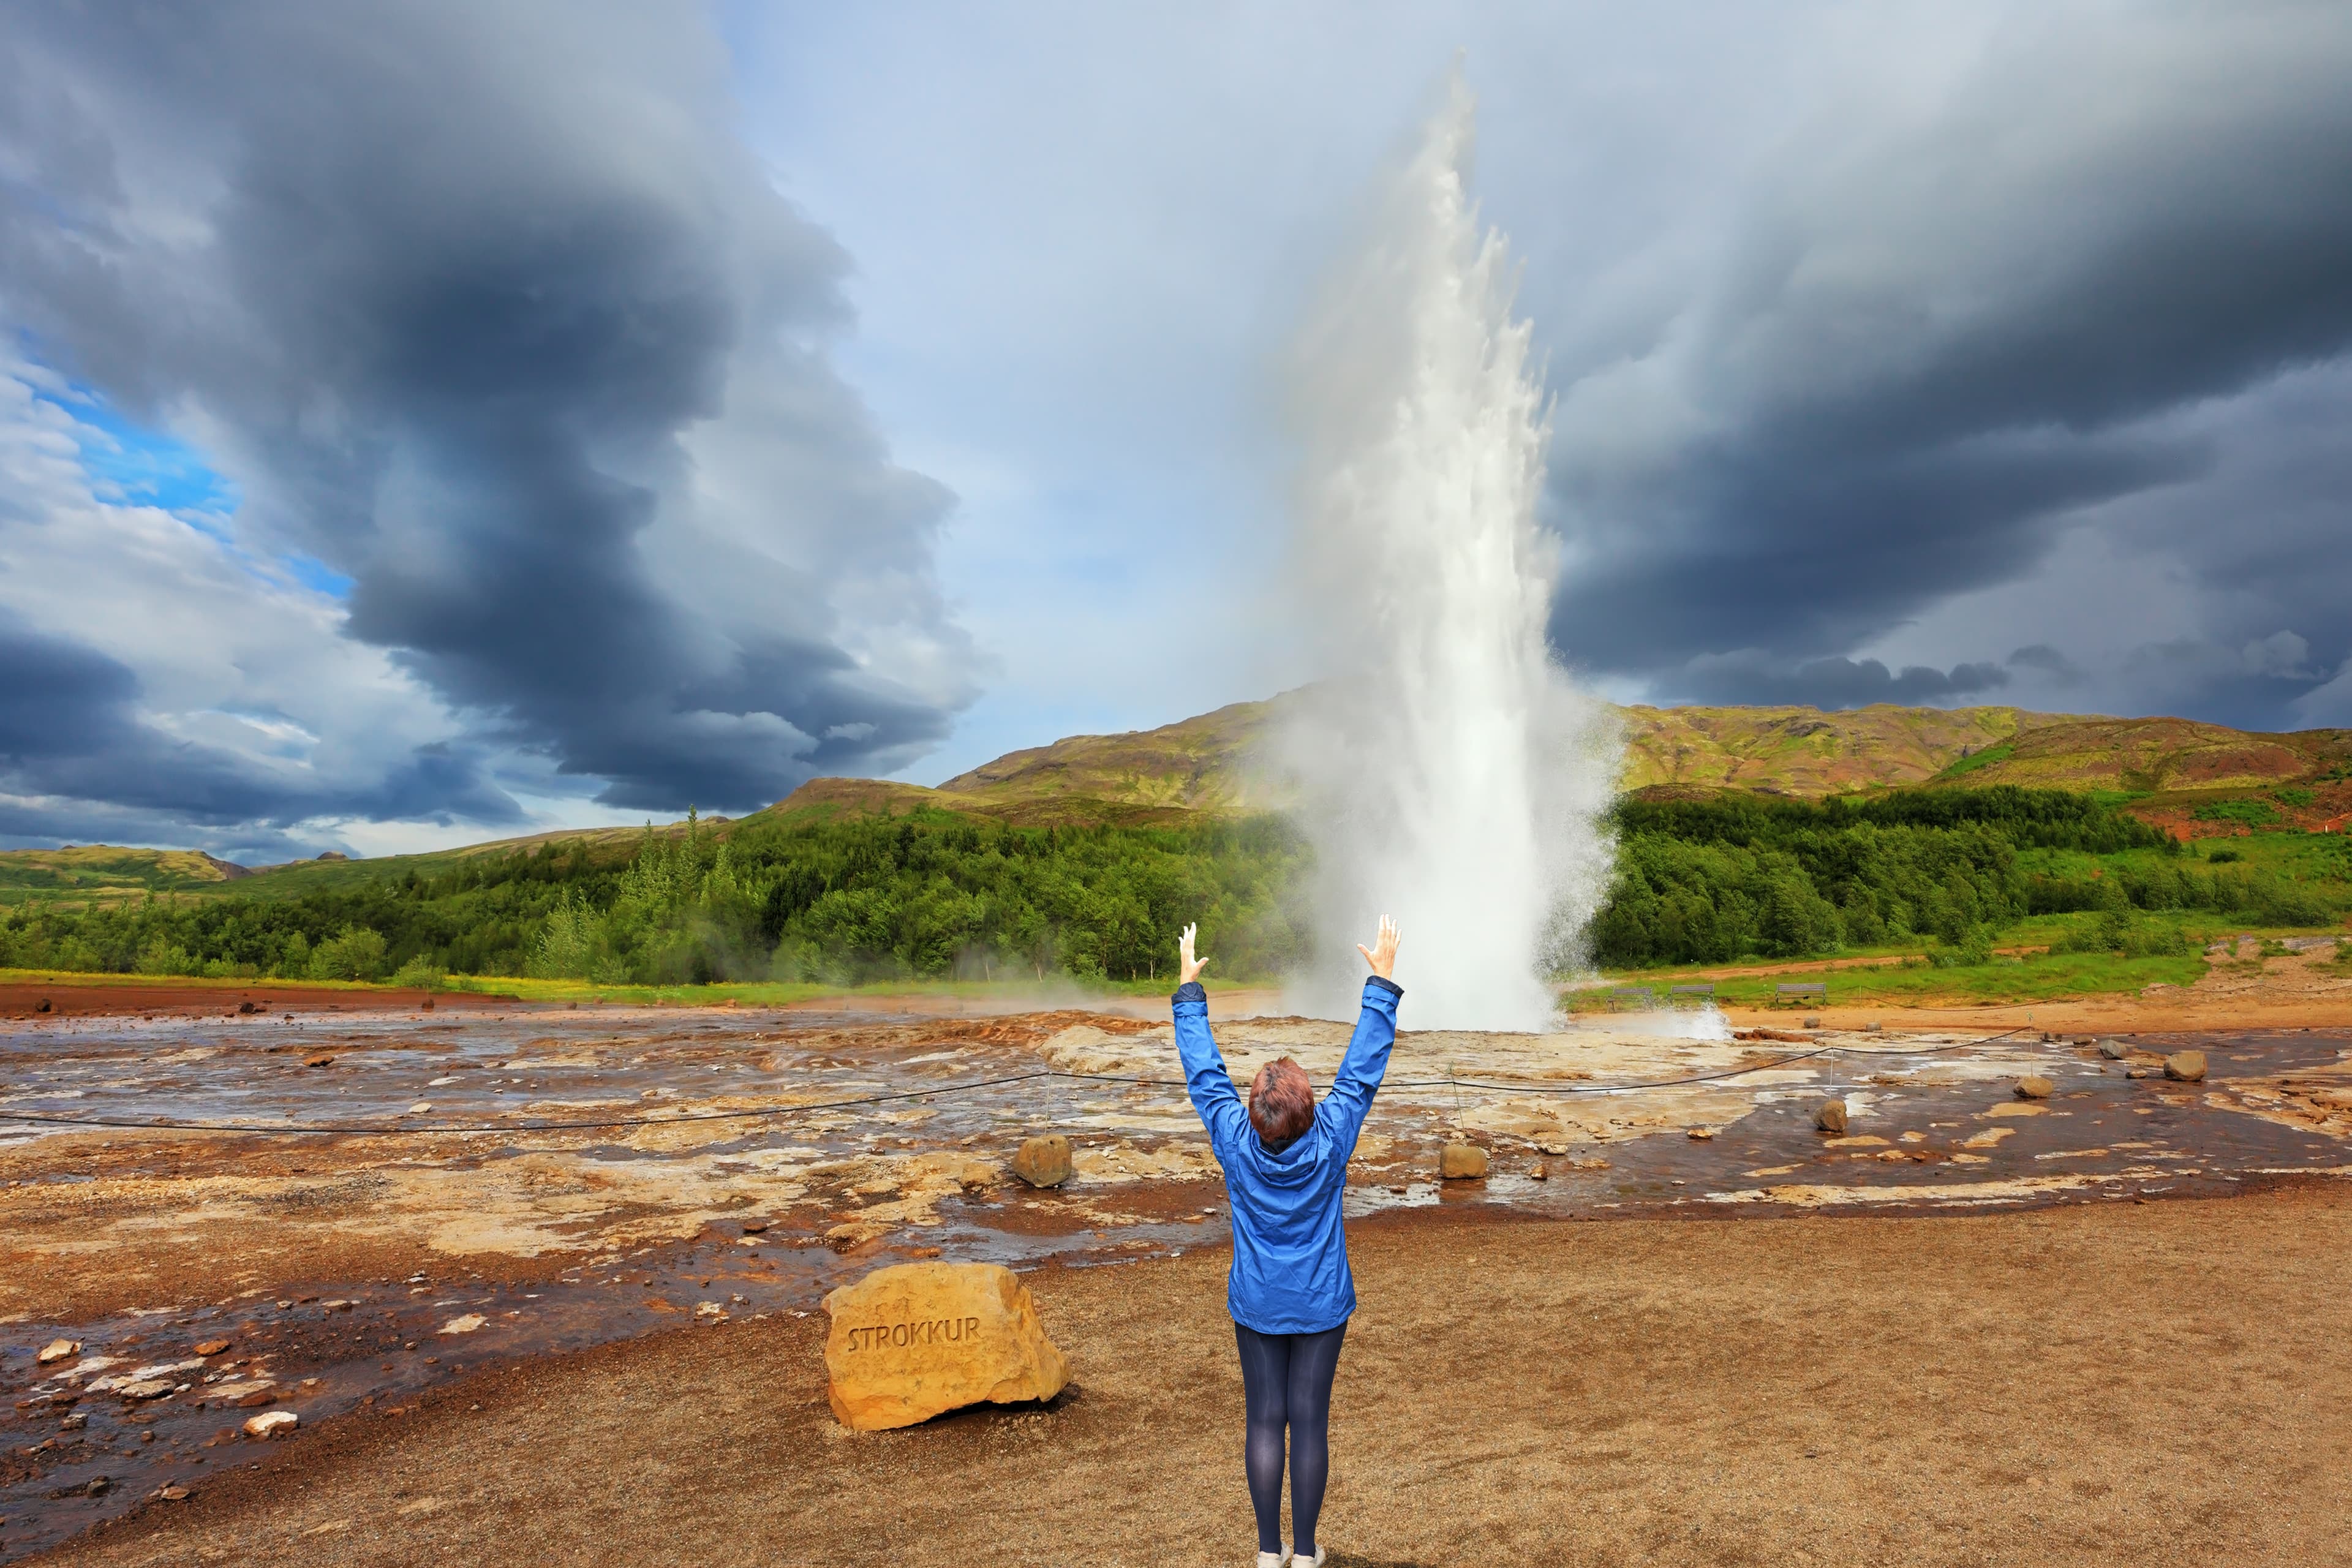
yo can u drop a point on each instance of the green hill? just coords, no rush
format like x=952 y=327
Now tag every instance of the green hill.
x=101 y=873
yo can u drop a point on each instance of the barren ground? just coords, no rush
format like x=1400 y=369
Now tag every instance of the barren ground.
x=2119 y=1385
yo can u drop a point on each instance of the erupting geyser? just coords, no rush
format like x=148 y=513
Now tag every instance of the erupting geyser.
x=1450 y=775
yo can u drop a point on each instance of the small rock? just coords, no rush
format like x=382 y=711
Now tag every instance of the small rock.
x=1542 y=1173
x=2112 y=1049
x=323 y=1059
x=145 y=1387
x=74 y=1422
x=2186 y=1067
x=245 y=1007
x=426 y=1004
x=1461 y=1162
x=2138 y=1072
x=1871 y=1027
x=1812 y=1020
x=2033 y=1085
x=465 y=1323
x=710 y=1310
x=275 y=1424
x=98 y=1485
x=1831 y=1117
x=173 y=1493
x=42 y=1005
x=1700 y=1134
x=212 y=1347
x=1044 y=1161
x=57 y=1350
x=754 y=1226
x=420 y=1107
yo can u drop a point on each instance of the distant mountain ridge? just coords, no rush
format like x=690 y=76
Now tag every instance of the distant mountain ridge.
x=1210 y=763
x=2175 y=772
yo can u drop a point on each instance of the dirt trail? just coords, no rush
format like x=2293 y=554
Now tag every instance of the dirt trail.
x=2114 y=1384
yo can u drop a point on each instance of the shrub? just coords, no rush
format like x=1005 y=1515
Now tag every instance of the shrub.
x=356 y=954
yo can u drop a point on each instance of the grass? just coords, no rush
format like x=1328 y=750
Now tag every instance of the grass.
x=2037 y=977
x=2034 y=977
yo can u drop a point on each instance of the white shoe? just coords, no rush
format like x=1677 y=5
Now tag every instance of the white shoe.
x=1273 y=1559
x=1299 y=1561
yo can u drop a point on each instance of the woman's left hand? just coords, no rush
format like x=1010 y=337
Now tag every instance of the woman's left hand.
x=1188 y=967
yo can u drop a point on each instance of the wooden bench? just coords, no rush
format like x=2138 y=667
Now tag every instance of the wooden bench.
x=1707 y=991
x=1640 y=996
x=1799 y=992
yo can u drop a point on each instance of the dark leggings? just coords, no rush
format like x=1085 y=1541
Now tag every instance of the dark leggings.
x=1286 y=1380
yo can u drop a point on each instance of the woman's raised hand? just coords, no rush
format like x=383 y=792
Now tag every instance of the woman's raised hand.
x=1189 y=967
x=1381 y=955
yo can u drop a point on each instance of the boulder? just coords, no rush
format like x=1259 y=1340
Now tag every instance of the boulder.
x=1044 y=1161
x=1461 y=1162
x=2112 y=1049
x=1831 y=1117
x=2186 y=1067
x=914 y=1339
x=2033 y=1085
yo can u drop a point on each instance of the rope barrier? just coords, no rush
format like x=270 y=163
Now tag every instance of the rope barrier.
x=414 y=1129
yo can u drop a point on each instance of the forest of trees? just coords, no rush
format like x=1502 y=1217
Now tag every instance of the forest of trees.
x=934 y=895
x=1714 y=880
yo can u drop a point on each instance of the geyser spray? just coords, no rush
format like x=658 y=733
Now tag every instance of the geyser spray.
x=1450 y=774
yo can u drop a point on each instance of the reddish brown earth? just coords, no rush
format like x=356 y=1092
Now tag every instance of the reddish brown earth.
x=86 y=996
x=2114 y=1384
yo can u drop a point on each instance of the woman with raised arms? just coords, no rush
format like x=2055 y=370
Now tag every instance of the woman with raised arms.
x=1285 y=1164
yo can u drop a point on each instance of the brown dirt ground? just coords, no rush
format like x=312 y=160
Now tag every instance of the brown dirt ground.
x=85 y=996
x=2114 y=1384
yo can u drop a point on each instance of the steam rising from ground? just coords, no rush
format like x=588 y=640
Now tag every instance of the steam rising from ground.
x=1450 y=775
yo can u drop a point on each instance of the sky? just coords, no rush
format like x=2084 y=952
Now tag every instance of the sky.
x=431 y=423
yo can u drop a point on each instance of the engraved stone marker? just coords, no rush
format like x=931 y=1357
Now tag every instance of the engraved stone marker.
x=916 y=1339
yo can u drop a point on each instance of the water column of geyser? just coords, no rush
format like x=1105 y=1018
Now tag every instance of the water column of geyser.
x=1449 y=772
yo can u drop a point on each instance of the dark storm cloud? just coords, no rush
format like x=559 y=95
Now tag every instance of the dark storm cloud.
x=77 y=755
x=1929 y=346
x=1749 y=677
x=458 y=287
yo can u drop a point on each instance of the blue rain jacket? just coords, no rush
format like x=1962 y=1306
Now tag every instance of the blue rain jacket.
x=1290 y=1256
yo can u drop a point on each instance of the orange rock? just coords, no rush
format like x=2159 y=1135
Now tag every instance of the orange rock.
x=2033 y=1085
x=2187 y=1066
x=1831 y=1117
x=1044 y=1161
x=915 y=1338
x=1461 y=1162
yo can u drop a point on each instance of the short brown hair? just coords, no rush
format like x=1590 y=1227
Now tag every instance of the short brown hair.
x=1281 y=1102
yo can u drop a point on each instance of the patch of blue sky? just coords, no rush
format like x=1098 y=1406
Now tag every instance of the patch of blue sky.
x=317 y=577
x=130 y=465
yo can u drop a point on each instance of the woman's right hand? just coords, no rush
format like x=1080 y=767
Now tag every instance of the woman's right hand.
x=1381 y=954
x=1188 y=967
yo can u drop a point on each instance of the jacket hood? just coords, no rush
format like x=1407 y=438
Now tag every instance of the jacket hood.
x=1300 y=1158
